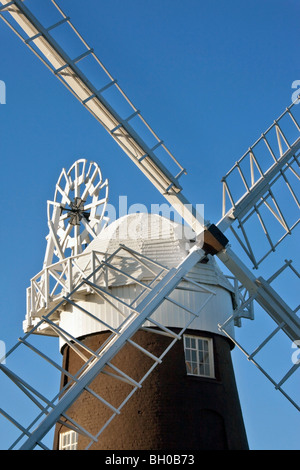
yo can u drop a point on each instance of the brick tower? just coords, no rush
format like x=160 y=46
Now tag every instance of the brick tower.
x=190 y=400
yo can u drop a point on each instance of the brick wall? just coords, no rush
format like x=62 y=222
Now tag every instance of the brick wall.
x=172 y=411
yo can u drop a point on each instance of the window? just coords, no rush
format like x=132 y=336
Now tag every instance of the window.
x=68 y=440
x=199 y=356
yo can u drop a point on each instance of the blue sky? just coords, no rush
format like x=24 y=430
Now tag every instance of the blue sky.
x=209 y=77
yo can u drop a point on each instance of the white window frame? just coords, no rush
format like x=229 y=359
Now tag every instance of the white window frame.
x=199 y=356
x=68 y=440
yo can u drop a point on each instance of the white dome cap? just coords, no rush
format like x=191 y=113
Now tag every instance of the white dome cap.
x=149 y=234
x=161 y=240
x=167 y=243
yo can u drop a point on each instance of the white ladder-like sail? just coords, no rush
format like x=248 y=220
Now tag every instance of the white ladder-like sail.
x=263 y=186
x=132 y=317
x=126 y=130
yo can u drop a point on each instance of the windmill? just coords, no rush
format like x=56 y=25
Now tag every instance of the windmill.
x=258 y=187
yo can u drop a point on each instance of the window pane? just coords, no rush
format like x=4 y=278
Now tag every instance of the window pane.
x=68 y=440
x=206 y=358
x=188 y=355
x=198 y=356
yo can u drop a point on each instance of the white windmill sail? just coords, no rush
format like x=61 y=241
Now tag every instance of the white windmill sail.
x=139 y=313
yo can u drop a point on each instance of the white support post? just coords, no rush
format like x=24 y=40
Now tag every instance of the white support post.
x=70 y=275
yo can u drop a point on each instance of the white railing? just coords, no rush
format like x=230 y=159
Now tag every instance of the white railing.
x=52 y=283
x=59 y=279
